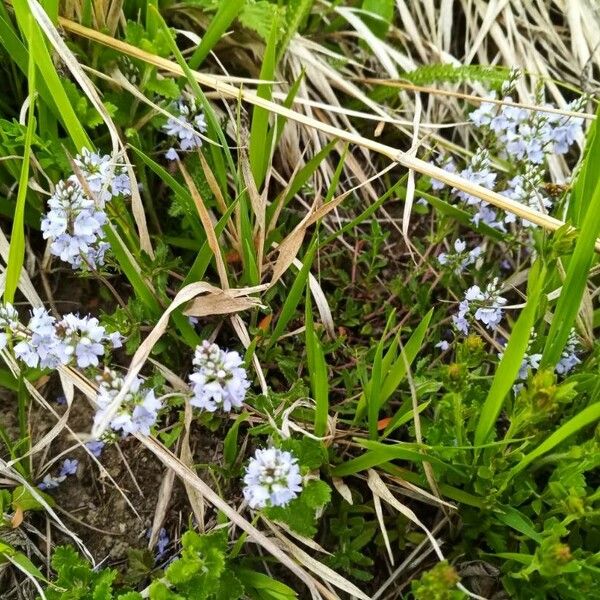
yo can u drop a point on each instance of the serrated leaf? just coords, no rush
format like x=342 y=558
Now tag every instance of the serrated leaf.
x=310 y=453
x=316 y=494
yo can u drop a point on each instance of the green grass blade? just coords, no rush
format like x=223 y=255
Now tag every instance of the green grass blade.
x=378 y=454
x=288 y=310
x=373 y=388
x=223 y=18
x=48 y=72
x=512 y=358
x=586 y=417
x=179 y=190
x=16 y=253
x=397 y=370
x=585 y=183
x=258 y=154
x=317 y=370
x=575 y=282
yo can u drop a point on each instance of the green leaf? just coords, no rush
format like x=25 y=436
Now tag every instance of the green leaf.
x=225 y=15
x=23 y=498
x=295 y=14
x=265 y=585
x=384 y=10
x=16 y=253
x=42 y=59
x=230 y=444
x=586 y=417
x=259 y=17
x=511 y=361
x=257 y=153
x=316 y=493
x=317 y=371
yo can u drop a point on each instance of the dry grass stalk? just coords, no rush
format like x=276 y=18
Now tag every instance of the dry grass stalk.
x=406 y=160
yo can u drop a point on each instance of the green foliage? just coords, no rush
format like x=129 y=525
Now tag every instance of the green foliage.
x=439 y=583
x=301 y=513
x=76 y=580
x=426 y=75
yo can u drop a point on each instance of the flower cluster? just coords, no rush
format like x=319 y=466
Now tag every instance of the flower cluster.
x=527 y=135
x=47 y=343
x=461 y=258
x=138 y=411
x=569 y=359
x=483 y=305
x=272 y=478
x=525 y=189
x=50 y=482
x=75 y=219
x=218 y=381
x=186 y=125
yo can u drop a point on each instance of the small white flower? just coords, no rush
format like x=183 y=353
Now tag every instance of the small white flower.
x=569 y=359
x=74 y=226
x=9 y=317
x=483 y=115
x=49 y=482
x=40 y=346
x=272 y=478
x=186 y=125
x=48 y=343
x=460 y=259
x=171 y=154
x=139 y=410
x=218 y=381
x=104 y=177
x=483 y=305
x=83 y=339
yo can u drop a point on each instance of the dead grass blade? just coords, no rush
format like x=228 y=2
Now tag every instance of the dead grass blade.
x=393 y=154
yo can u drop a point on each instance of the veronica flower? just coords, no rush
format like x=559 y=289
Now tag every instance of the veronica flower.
x=74 y=222
x=83 y=339
x=460 y=259
x=95 y=447
x=39 y=343
x=272 y=478
x=484 y=305
x=479 y=172
x=219 y=381
x=569 y=359
x=104 y=178
x=69 y=467
x=449 y=166
x=138 y=411
x=525 y=190
x=486 y=112
x=50 y=483
x=74 y=226
x=48 y=343
x=186 y=125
